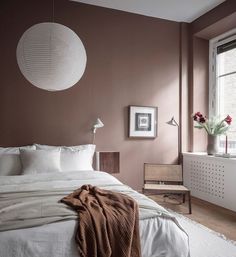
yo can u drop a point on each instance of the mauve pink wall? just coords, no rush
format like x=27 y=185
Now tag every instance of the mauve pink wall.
x=132 y=60
x=184 y=78
x=200 y=88
x=220 y=12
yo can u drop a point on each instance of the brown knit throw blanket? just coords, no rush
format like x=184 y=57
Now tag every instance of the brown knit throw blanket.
x=108 y=223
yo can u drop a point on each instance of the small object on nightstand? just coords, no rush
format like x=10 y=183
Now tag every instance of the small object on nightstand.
x=108 y=162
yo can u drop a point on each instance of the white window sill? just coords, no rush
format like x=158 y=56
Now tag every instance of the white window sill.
x=232 y=157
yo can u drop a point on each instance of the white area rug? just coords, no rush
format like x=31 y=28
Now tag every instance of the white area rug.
x=205 y=242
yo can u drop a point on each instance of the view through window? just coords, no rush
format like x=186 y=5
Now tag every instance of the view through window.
x=225 y=81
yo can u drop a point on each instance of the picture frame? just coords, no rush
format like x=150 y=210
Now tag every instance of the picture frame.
x=142 y=121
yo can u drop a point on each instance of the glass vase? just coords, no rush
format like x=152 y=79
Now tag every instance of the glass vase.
x=212 y=145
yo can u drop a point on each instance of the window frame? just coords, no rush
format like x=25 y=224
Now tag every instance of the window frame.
x=213 y=87
x=213 y=90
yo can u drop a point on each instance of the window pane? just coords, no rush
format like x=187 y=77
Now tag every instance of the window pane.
x=231 y=142
x=226 y=47
x=226 y=62
x=227 y=105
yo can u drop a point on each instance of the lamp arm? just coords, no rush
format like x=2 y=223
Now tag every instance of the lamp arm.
x=176 y=123
x=93 y=138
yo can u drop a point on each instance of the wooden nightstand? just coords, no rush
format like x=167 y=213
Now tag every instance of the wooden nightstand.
x=108 y=162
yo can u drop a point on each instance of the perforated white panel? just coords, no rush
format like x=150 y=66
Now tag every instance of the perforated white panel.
x=211 y=178
x=207 y=177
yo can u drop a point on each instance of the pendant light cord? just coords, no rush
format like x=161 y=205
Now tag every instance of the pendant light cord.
x=53 y=10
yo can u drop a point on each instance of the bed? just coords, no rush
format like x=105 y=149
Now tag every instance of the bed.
x=33 y=223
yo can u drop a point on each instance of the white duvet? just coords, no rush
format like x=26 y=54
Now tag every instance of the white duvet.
x=34 y=224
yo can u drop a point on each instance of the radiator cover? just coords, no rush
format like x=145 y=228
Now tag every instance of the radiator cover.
x=210 y=178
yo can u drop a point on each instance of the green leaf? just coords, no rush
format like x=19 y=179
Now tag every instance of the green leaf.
x=198 y=126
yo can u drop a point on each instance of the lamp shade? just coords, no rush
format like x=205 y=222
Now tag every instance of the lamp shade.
x=98 y=124
x=51 y=56
x=172 y=122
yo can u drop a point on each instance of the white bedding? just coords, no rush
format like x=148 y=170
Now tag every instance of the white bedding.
x=32 y=200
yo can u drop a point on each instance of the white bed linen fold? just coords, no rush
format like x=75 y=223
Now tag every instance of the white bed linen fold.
x=29 y=201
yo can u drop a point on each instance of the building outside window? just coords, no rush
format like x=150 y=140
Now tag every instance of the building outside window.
x=222 y=91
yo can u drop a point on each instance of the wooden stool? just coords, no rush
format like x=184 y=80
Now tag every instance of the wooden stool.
x=165 y=179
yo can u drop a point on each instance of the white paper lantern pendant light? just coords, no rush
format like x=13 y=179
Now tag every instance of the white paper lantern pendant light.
x=51 y=56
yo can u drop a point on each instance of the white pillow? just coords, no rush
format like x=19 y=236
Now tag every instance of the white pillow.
x=10 y=163
x=40 y=161
x=73 y=158
x=89 y=147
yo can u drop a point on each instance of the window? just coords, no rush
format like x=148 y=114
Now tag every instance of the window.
x=223 y=84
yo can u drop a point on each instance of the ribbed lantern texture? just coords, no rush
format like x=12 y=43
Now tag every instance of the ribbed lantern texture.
x=51 y=56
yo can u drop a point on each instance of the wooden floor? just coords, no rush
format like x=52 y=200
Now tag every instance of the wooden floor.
x=214 y=217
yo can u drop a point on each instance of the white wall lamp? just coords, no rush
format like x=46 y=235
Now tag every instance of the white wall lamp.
x=173 y=122
x=97 y=124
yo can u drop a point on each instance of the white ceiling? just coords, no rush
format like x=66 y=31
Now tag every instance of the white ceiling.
x=175 y=10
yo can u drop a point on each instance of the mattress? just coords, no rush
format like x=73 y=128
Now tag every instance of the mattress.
x=33 y=223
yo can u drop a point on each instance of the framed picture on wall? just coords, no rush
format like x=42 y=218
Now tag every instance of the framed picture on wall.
x=142 y=121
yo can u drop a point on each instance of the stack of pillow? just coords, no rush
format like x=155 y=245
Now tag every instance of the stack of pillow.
x=43 y=159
